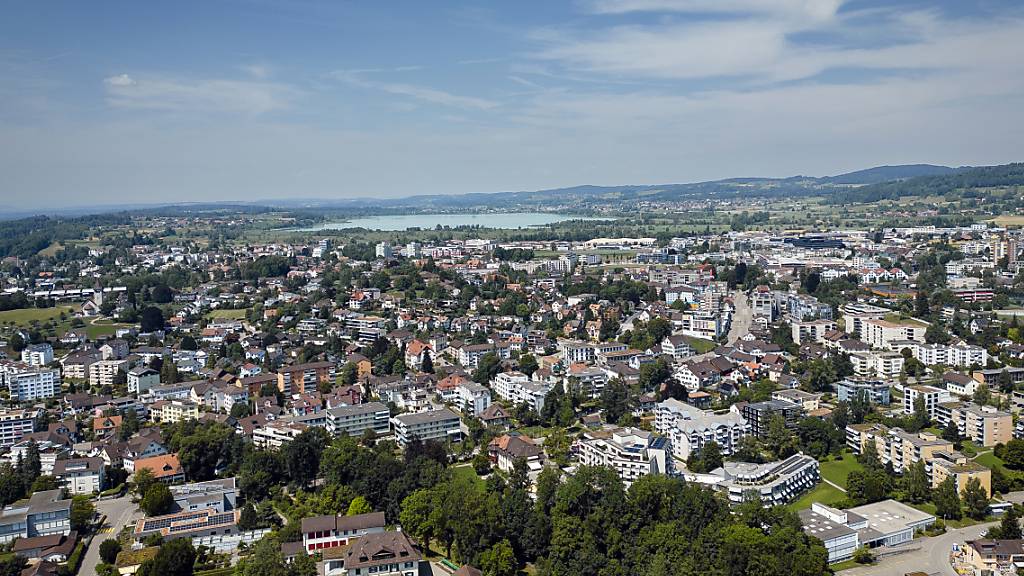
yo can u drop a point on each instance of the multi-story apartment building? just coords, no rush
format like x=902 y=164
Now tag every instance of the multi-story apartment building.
x=676 y=346
x=931 y=395
x=811 y=330
x=983 y=425
x=141 y=379
x=874 y=391
x=801 y=308
x=574 y=351
x=883 y=333
x=37 y=354
x=442 y=425
x=855 y=314
x=517 y=388
x=172 y=411
x=356 y=420
x=962 y=469
x=774 y=483
x=26 y=383
x=102 y=372
x=763 y=303
x=690 y=429
x=630 y=452
x=80 y=475
x=273 y=435
x=46 y=513
x=895 y=446
x=759 y=415
x=305 y=378
x=701 y=324
x=877 y=364
x=959 y=355
x=473 y=398
x=17 y=423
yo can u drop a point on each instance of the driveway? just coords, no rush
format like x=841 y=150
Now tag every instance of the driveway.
x=928 y=555
x=119 y=512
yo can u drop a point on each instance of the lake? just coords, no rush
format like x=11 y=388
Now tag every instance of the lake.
x=508 y=220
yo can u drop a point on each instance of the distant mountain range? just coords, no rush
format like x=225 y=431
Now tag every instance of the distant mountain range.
x=860 y=186
x=585 y=196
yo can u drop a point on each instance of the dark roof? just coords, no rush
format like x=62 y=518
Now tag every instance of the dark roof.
x=357 y=522
x=382 y=548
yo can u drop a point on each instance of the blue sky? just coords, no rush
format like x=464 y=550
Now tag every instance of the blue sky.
x=109 y=102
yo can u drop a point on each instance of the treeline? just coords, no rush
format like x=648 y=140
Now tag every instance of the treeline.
x=24 y=238
x=983 y=177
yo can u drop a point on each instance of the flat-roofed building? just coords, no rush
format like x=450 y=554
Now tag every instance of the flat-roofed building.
x=442 y=425
x=305 y=378
x=630 y=452
x=188 y=524
x=931 y=396
x=689 y=429
x=961 y=469
x=831 y=526
x=17 y=423
x=883 y=333
x=44 y=513
x=874 y=391
x=983 y=425
x=774 y=483
x=357 y=419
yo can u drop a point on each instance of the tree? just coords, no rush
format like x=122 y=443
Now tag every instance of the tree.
x=359 y=505
x=1013 y=454
x=487 y=368
x=248 y=520
x=919 y=420
x=109 y=550
x=528 y=364
x=302 y=455
x=169 y=371
x=811 y=282
x=158 y=500
x=982 y=396
x=82 y=511
x=780 y=440
x=152 y=319
x=175 y=558
x=915 y=483
x=427 y=365
x=1009 y=525
x=951 y=433
x=1005 y=381
x=499 y=560
x=863 y=555
x=946 y=500
x=259 y=473
x=615 y=400
x=143 y=480
x=975 y=499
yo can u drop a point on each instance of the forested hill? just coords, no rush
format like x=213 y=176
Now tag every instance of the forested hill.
x=936 y=185
x=889 y=173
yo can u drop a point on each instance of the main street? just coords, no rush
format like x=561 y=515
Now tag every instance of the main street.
x=742 y=317
x=119 y=512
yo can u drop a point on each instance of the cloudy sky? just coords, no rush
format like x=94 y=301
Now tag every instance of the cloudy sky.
x=108 y=102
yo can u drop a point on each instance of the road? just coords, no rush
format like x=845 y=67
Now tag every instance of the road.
x=119 y=512
x=932 y=557
x=742 y=318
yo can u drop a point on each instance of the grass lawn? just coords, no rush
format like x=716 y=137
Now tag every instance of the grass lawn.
x=844 y=565
x=837 y=470
x=823 y=493
x=25 y=316
x=227 y=314
x=468 y=472
x=700 y=345
x=94 y=331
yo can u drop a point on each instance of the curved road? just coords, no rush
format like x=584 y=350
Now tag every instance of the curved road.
x=930 y=556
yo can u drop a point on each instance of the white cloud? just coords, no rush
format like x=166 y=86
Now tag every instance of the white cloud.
x=434 y=96
x=119 y=80
x=803 y=9
x=157 y=92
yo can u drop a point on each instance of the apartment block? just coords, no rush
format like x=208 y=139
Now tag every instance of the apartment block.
x=855 y=314
x=962 y=469
x=630 y=452
x=774 y=483
x=517 y=388
x=877 y=364
x=356 y=420
x=932 y=398
x=689 y=429
x=17 y=423
x=883 y=333
x=958 y=355
x=305 y=378
x=983 y=425
x=102 y=372
x=759 y=415
x=442 y=425
x=811 y=330
x=875 y=391
x=26 y=383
